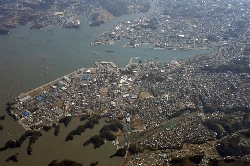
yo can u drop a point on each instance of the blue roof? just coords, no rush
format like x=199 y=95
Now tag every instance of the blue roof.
x=43 y=95
x=25 y=113
x=85 y=77
x=39 y=98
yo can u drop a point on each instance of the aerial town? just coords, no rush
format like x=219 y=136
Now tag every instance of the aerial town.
x=173 y=25
x=64 y=14
x=167 y=103
x=184 y=111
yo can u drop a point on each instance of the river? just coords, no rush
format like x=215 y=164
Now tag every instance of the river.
x=26 y=54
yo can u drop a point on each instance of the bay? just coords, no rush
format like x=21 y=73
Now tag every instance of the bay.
x=26 y=54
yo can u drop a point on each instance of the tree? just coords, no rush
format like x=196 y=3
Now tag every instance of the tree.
x=212 y=124
x=107 y=135
x=46 y=128
x=53 y=163
x=95 y=121
x=13 y=158
x=89 y=124
x=80 y=129
x=57 y=128
x=29 y=149
x=120 y=153
x=96 y=140
x=83 y=117
x=246 y=133
x=231 y=147
x=209 y=109
x=104 y=128
x=70 y=136
x=134 y=149
x=2 y=117
x=64 y=163
x=196 y=158
x=65 y=120
x=113 y=127
x=94 y=163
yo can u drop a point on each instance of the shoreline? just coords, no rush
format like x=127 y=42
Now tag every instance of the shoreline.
x=79 y=73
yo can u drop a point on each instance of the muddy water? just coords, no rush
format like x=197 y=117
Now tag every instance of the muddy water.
x=49 y=147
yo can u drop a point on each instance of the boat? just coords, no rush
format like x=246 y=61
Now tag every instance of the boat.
x=110 y=51
x=156 y=57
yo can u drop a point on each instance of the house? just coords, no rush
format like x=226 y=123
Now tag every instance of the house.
x=85 y=78
x=133 y=96
x=126 y=95
x=24 y=98
x=128 y=119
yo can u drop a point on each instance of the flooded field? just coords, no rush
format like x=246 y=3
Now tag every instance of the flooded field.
x=49 y=147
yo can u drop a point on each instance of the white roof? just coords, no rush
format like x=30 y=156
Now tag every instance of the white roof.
x=24 y=98
x=63 y=88
x=126 y=95
x=122 y=81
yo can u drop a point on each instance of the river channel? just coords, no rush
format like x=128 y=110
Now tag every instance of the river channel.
x=26 y=54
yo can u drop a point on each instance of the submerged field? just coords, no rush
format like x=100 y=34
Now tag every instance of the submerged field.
x=50 y=147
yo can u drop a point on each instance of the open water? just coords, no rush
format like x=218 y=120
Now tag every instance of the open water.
x=26 y=54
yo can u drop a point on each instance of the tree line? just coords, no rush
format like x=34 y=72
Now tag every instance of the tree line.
x=231 y=147
x=227 y=124
x=64 y=163
x=65 y=120
x=34 y=135
x=105 y=133
x=237 y=66
x=13 y=158
x=81 y=128
x=67 y=162
x=56 y=126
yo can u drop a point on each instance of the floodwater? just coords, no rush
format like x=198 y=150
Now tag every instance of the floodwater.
x=31 y=58
x=49 y=147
